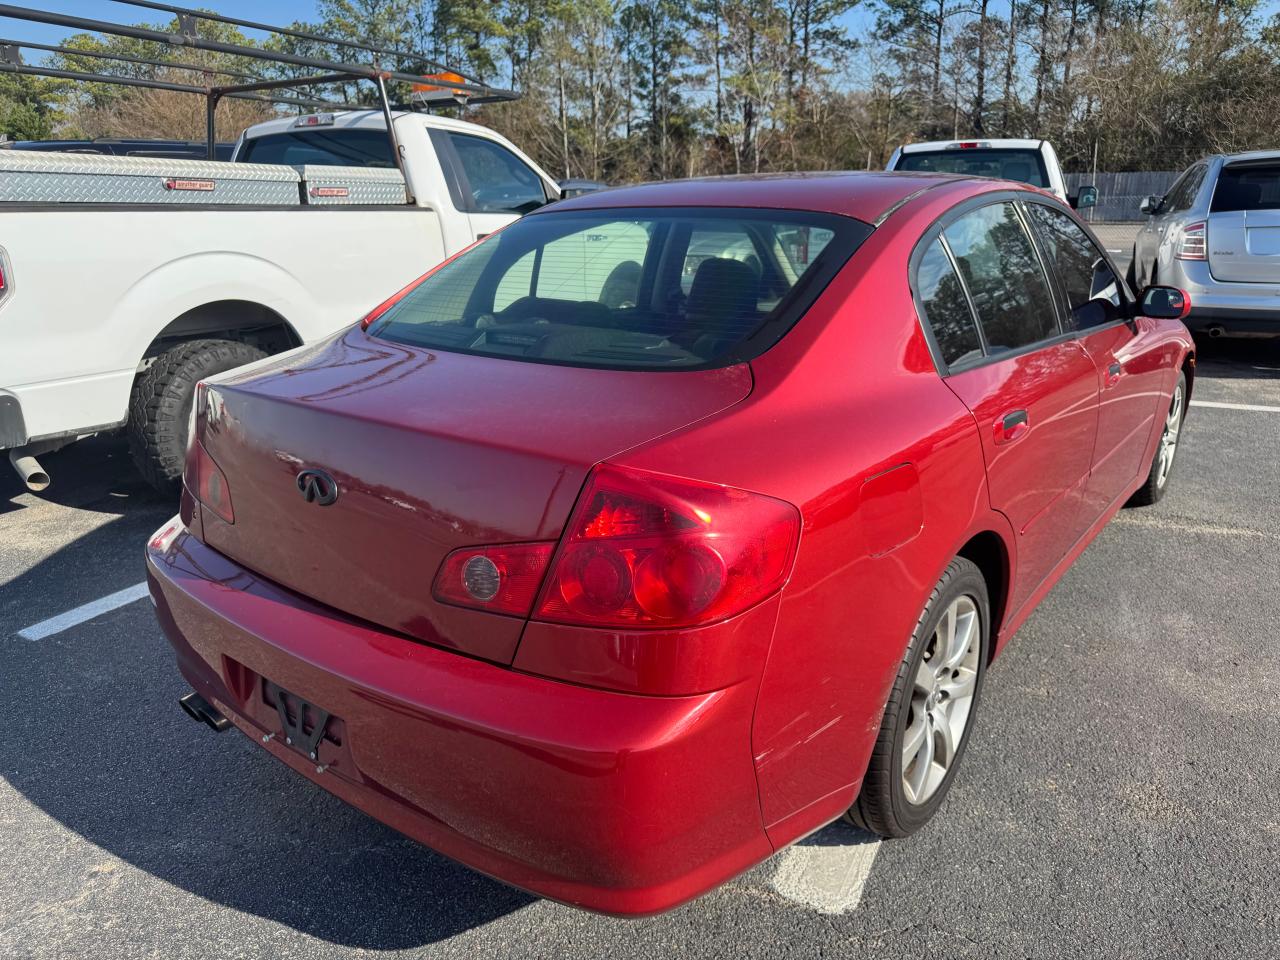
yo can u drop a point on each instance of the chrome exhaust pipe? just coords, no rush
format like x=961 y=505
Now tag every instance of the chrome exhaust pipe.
x=29 y=469
x=198 y=708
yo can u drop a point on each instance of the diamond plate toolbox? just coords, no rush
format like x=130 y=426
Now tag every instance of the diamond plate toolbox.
x=29 y=176
x=336 y=186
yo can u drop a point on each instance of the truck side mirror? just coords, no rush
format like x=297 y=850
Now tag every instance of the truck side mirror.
x=577 y=186
x=1087 y=197
x=1150 y=205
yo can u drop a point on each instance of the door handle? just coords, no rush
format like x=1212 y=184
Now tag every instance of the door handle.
x=1113 y=374
x=1012 y=426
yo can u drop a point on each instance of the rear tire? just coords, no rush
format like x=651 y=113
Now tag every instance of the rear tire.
x=940 y=676
x=1157 y=481
x=160 y=406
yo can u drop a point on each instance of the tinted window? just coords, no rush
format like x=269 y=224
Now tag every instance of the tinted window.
x=1025 y=166
x=945 y=306
x=1247 y=187
x=324 y=147
x=1093 y=289
x=999 y=266
x=613 y=288
x=1183 y=193
x=498 y=180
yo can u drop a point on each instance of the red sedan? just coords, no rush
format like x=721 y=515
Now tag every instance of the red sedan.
x=670 y=523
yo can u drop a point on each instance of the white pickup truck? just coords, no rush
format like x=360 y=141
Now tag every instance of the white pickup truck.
x=1026 y=161
x=125 y=280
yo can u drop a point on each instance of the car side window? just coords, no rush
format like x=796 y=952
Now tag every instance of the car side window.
x=1002 y=273
x=1183 y=193
x=499 y=181
x=946 y=308
x=1092 y=288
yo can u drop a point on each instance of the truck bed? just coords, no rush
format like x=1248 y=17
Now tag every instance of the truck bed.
x=32 y=177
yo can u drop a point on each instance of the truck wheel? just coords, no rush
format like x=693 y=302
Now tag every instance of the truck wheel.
x=160 y=406
x=930 y=712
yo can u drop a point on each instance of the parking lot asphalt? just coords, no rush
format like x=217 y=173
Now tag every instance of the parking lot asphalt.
x=1118 y=799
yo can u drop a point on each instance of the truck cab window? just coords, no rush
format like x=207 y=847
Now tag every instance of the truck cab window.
x=497 y=180
x=330 y=148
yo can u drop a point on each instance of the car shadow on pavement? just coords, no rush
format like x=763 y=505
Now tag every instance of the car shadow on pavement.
x=93 y=737
x=1238 y=358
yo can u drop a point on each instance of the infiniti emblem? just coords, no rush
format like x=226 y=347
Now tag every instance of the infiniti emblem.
x=317 y=487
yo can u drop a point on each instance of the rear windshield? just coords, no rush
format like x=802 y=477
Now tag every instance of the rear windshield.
x=1247 y=187
x=329 y=148
x=1025 y=166
x=629 y=288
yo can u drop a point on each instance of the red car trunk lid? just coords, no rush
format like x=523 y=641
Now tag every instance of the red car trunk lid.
x=430 y=451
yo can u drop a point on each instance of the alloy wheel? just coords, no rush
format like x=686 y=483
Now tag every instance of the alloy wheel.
x=941 y=700
x=1169 y=438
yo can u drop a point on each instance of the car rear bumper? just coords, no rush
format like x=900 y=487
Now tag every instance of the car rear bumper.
x=1237 y=308
x=608 y=801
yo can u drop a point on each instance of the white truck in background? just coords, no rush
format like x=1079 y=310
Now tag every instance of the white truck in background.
x=125 y=280
x=1023 y=160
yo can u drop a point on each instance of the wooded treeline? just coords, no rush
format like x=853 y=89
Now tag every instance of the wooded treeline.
x=648 y=89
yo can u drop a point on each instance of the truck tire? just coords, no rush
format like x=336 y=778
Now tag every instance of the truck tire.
x=160 y=406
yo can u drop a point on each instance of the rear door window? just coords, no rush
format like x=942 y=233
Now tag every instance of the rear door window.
x=1253 y=186
x=1003 y=276
x=635 y=288
x=1092 y=287
x=946 y=307
x=1182 y=196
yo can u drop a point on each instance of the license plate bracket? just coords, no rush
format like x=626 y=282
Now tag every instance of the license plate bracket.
x=294 y=726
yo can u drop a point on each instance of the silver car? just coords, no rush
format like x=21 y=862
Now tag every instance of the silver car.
x=1216 y=234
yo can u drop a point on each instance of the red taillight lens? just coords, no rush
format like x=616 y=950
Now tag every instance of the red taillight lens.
x=203 y=477
x=647 y=550
x=210 y=486
x=502 y=578
x=1192 y=244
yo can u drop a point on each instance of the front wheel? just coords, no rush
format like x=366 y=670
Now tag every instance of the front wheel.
x=1157 y=481
x=930 y=711
x=160 y=406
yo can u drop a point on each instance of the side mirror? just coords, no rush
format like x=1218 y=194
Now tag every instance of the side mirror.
x=1165 y=303
x=1086 y=198
x=577 y=187
x=1150 y=205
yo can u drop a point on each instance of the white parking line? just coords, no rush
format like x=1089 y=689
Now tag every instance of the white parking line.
x=94 y=608
x=1218 y=405
x=827 y=871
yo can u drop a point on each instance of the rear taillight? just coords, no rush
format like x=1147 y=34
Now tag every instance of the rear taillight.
x=6 y=276
x=202 y=476
x=503 y=578
x=1192 y=244
x=210 y=482
x=648 y=550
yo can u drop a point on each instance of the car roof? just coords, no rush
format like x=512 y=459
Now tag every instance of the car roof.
x=1251 y=155
x=866 y=195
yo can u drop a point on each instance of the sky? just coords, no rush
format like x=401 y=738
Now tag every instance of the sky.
x=280 y=12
